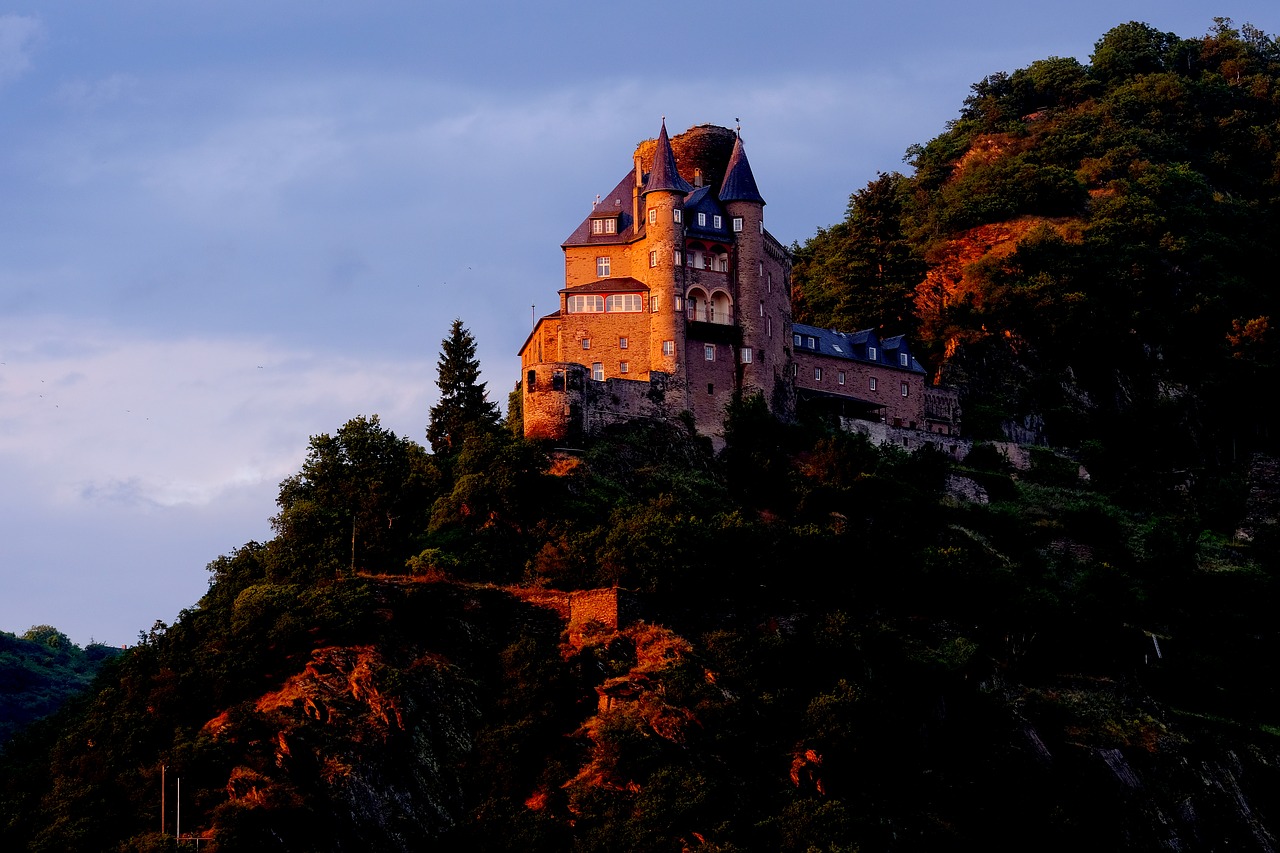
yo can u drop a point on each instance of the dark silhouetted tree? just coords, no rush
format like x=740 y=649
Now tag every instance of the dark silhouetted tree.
x=464 y=404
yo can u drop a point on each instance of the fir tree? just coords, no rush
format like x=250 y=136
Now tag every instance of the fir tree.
x=464 y=404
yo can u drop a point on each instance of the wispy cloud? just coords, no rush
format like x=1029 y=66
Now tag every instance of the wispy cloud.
x=19 y=35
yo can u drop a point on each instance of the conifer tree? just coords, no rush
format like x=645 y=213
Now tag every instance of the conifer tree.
x=464 y=404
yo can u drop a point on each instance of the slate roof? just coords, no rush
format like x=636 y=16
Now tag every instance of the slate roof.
x=618 y=199
x=852 y=346
x=739 y=184
x=621 y=284
x=702 y=200
x=664 y=176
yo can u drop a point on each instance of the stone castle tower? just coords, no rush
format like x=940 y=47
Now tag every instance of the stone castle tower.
x=675 y=298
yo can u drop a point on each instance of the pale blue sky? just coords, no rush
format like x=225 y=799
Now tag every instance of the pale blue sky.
x=225 y=227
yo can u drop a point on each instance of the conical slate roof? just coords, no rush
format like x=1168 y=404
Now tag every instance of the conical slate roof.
x=664 y=176
x=739 y=184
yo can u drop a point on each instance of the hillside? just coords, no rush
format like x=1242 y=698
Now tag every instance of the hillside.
x=1090 y=248
x=39 y=671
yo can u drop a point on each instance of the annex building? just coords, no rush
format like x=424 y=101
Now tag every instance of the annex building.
x=676 y=297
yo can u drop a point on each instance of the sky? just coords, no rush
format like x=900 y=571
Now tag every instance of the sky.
x=226 y=227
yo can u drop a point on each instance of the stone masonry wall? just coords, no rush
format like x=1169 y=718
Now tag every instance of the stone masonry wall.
x=902 y=411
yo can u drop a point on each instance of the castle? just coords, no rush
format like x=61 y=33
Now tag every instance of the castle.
x=676 y=298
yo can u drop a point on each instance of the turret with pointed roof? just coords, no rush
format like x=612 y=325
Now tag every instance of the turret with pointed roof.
x=664 y=176
x=739 y=184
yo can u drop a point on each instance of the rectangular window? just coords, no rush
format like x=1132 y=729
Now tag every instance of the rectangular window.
x=796 y=339
x=709 y=352
x=597 y=226
x=761 y=309
x=668 y=347
x=623 y=343
x=532 y=379
x=675 y=256
x=679 y=303
x=761 y=226
x=717 y=222
x=590 y=304
x=653 y=258
x=602 y=267
x=871 y=383
x=702 y=219
x=679 y=214
x=768 y=326
x=653 y=216
x=795 y=368
x=711 y=388
x=762 y=268
x=611 y=226
x=653 y=303
x=737 y=223
x=624 y=367
x=817 y=374
x=597 y=371
x=839 y=377
x=747 y=354
x=904 y=389
x=624 y=303
x=769 y=283
x=690 y=259
x=586 y=343
x=871 y=353
x=903 y=358
x=810 y=341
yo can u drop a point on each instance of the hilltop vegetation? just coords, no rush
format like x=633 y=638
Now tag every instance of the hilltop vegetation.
x=39 y=671
x=841 y=647
x=1091 y=246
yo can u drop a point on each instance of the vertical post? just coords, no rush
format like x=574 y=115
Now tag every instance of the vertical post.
x=162 y=799
x=179 y=830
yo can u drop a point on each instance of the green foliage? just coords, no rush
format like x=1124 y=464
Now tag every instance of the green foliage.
x=464 y=406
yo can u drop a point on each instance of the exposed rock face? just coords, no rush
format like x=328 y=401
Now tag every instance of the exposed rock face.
x=1263 y=508
x=383 y=751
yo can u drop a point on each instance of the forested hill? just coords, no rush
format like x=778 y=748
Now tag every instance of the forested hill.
x=826 y=645
x=1094 y=245
x=39 y=671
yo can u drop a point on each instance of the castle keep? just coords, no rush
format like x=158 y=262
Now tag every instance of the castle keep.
x=676 y=297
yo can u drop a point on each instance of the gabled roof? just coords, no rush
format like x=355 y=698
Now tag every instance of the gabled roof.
x=852 y=346
x=739 y=184
x=702 y=200
x=664 y=176
x=618 y=199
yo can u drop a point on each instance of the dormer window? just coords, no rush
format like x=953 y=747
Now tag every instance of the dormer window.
x=904 y=359
x=811 y=342
x=604 y=226
x=871 y=353
x=717 y=222
x=702 y=220
x=796 y=339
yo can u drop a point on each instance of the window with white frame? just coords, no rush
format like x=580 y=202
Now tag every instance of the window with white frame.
x=586 y=343
x=795 y=369
x=747 y=355
x=624 y=343
x=588 y=304
x=709 y=352
x=653 y=258
x=597 y=226
x=717 y=222
x=811 y=342
x=679 y=303
x=678 y=214
x=611 y=226
x=871 y=384
x=817 y=374
x=676 y=257
x=769 y=282
x=597 y=371
x=624 y=303
x=602 y=267
x=839 y=377
x=653 y=303
x=624 y=367
x=702 y=220
x=871 y=353
x=653 y=216
x=905 y=388
x=768 y=326
x=903 y=359
x=761 y=268
x=668 y=347
x=796 y=339
x=737 y=223
x=761 y=309
x=761 y=226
